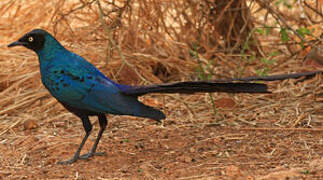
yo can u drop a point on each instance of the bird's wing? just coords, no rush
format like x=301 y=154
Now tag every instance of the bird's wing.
x=85 y=87
x=71 y=84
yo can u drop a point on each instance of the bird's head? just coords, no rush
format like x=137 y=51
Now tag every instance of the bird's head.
x=34 y=40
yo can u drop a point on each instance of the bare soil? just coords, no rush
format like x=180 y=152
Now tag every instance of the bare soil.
x=179 y=148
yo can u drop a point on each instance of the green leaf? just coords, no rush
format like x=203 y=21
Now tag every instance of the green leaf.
x=252 y=58
x=192 y=53
x=303 y=31
x=289 y=6
x=260 y=31
x=268 y=30
x=284 y=2
x=274 y=53
x=263 y=60
x=246 y=46
x=302 y=44
x=283 y=35
x=306 y=172
x=262 y=72
x=271 y=61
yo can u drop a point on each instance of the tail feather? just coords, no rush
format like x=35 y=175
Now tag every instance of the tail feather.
x=150 y=112
x=221 y=85
x=277 y=77
x=197 y=86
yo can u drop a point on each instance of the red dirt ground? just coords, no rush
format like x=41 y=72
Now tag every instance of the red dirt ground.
x=177 y=149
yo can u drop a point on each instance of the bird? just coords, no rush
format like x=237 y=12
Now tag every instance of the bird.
x=85 y=91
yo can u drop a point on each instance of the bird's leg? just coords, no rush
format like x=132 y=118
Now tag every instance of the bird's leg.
x=88 y=128
x=103 y=124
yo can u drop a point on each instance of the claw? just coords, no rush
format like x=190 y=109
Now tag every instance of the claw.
x=70 y=161
x=90 y=154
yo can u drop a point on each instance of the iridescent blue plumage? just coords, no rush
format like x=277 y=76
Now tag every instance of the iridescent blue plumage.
x=74 y=81
x=81 y=88
x=85 y=91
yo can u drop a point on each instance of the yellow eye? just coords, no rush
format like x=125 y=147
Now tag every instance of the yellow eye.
x=30 y=39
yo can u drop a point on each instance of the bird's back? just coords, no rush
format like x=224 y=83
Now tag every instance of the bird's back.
x=75 y=82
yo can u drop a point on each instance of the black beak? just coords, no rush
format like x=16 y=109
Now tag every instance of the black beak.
x=16 y=43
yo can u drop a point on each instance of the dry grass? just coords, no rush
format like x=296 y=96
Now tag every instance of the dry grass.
x=151 y=41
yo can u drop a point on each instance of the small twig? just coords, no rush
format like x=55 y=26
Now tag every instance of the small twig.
x=284 y=129
x=303 y=11
x=11 y=126
x=313 y=9
x=279 y=17
x=108 y=32
x=191 y=112
x=63 y=15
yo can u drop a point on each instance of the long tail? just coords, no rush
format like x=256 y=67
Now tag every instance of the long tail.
x=277 y=77
x=221 y=85
x=197 y=86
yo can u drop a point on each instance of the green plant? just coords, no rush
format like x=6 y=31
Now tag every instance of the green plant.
x=285 y=3
x=202 y=72
x=306 y=172
x=266 y=62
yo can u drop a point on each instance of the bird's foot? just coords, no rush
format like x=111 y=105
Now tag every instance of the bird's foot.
x=70 y=161
x=90 y=154
x=84 y=156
